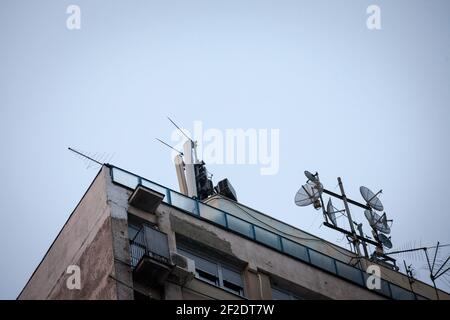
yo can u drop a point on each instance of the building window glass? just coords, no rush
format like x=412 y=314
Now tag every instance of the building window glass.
x=215 y=272
x=281 y=294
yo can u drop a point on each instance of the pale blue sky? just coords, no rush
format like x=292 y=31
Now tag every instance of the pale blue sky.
x=369 y=106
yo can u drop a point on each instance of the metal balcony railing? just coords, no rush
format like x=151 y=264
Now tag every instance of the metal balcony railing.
x=151 y=243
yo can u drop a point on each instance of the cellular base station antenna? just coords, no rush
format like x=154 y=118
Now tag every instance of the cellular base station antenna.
x=193 y=178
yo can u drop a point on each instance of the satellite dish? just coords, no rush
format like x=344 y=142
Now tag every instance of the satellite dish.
x=330 y=212
x=308 y=194
x=311 y=177
x=385 y=241
x=371 y=198
x=377 y=222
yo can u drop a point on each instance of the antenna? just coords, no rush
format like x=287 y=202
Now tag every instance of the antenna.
x=377 y=222
x=176 y=126
x=443 y=266
x=385 y=241
x=168 y=145
x=191 y=172
x=85 y=156
x=371 y=198
x=312 y=177
x=308 y=194
x=331 y=212
x=311 y=193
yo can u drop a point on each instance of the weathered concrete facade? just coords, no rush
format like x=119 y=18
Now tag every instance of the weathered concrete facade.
x=96 y=238
x=92 y=239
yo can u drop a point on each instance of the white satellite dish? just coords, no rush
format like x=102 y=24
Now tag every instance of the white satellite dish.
x=385 y=241
x=371 y=198
x=377 y=222
x=308 y=194
x=311 y=177
x=331 y=213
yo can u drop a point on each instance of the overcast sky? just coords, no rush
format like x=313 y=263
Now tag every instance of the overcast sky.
x=371 y=106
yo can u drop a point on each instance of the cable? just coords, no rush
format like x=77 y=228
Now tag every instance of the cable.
x=294 y=236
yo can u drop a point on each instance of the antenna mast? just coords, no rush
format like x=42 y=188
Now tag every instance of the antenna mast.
x=349 y=216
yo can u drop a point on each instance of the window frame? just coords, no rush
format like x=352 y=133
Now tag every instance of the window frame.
x=220 y=283
x=291 y=295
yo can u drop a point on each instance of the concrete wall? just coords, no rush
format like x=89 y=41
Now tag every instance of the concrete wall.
x=261 y=262
x=84 y=241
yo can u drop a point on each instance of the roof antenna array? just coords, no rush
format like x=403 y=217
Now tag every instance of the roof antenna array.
x=311 y=193
x=194 y=179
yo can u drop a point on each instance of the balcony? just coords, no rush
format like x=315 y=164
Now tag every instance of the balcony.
x=150 y=257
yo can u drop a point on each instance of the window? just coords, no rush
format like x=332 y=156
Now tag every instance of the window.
x=282 y=294
x=215 y=272
x=232 y=280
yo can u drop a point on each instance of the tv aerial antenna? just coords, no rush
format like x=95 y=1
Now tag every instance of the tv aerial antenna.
x=437 y=269
x=97 y=158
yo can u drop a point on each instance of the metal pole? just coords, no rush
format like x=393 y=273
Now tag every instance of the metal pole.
x=431 y=274
x=410 y=278
x=435 y=255
x=349 y=216
x=323 y=209
x=323 y=203
x=361 y=234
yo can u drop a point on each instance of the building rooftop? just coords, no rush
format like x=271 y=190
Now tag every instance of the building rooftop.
x=282 y=237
